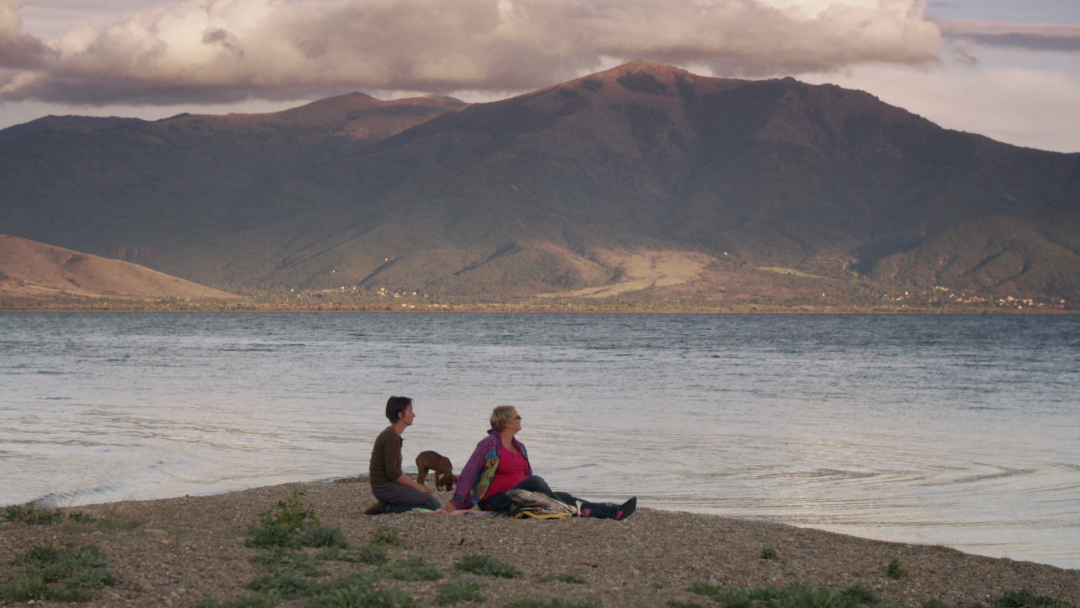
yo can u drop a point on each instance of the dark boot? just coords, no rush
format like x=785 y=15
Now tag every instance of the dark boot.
x=609 y=510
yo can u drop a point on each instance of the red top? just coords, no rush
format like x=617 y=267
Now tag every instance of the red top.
x=512 y=470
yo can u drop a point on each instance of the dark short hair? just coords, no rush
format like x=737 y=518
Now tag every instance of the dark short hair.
x=395 y=406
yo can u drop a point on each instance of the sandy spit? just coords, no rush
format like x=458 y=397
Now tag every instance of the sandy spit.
x=182 y=550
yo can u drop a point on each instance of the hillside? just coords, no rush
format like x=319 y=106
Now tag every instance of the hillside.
x=30 y=270
x=643 y=181
x=156 y=186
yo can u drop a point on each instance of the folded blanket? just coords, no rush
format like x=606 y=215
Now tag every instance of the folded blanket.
x=540 y=504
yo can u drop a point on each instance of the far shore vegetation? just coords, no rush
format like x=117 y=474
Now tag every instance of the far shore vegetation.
x=330 y=302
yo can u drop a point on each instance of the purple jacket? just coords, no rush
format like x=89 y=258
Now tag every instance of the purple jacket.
x=476 y=477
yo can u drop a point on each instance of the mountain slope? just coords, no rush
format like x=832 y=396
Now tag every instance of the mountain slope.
x=730 y=189
x=768 y=174
x=175 y=182
x=35 y=270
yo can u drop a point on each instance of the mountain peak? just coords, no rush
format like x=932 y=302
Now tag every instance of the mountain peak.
x=642 y=71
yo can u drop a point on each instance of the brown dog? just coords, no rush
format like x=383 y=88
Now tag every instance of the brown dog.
x=432 y=461
x=447 y=481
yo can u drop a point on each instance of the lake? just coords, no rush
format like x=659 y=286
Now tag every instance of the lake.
x=955 y=430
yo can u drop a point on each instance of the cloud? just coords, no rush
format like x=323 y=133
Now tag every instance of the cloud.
x=1031 y=36
x=205 y=51
x=17 y=49
x=961 y=54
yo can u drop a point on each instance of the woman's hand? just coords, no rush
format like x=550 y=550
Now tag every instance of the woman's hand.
x=408 y=481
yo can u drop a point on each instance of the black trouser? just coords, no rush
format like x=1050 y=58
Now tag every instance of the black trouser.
x=501 y=502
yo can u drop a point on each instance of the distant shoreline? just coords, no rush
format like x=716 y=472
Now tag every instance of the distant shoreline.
x=547 y=308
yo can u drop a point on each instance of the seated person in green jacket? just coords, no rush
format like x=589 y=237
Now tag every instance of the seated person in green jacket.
x=396 y=492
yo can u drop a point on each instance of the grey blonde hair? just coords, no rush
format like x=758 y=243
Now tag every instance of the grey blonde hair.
x=501 y=417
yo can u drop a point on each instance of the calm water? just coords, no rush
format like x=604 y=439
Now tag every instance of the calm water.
x=952 y=430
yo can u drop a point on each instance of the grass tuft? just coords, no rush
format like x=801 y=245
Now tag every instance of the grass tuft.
x=894 y=571
x=795 y=596
x=288 y=524
x=572 y=578
x=857 y=596
x=255 y=600
x=411 y=569
x=30 y=515
x=463 y=590
x=61 y=575
x=323 y=536
x=373 y=555
x=768 y=553
x=363 y=596
x=386 y=538
x=1026 y=599
x=277 y=559
x=287 y=584
x=486 y=566
x=860 y=595
x=532 y=602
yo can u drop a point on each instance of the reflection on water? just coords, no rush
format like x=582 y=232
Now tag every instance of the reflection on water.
x=949 y=430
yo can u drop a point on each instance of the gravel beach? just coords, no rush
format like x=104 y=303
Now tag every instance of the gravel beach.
x=177 y=552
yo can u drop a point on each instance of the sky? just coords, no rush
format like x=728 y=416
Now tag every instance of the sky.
x=1006 y=69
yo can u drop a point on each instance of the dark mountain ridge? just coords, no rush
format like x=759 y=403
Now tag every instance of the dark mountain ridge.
x=734 y=189
x=83 y=124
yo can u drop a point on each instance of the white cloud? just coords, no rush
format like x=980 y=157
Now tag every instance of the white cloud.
x=231 y=50
x=1025 y=107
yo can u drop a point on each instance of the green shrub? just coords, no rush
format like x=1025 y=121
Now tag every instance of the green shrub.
x=373 y=555
x=411 y=569
x=463 y=590
x=385 y=537
x=255 y=600
x=361 y=596
x=894 y=571
x=768 y=553
x=860 y=595
x=289 y=515
x=278 y=559
x=532 y=602
x=573 y=578
x=289 y=525
x=486 y=566
x=1026 y=599
x=795 y=596
x=31 y=515
x=286 y=583
x=322 y=536
x=62 y=575
x=706 y=589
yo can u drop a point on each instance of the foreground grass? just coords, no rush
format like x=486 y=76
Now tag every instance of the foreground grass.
x=287 y=533
x=46 y=573
x=296 y=554
x=799 y=596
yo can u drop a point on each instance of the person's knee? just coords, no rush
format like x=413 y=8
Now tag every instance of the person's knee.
x=535 y=484
x=565 y=497
x=432 y=504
